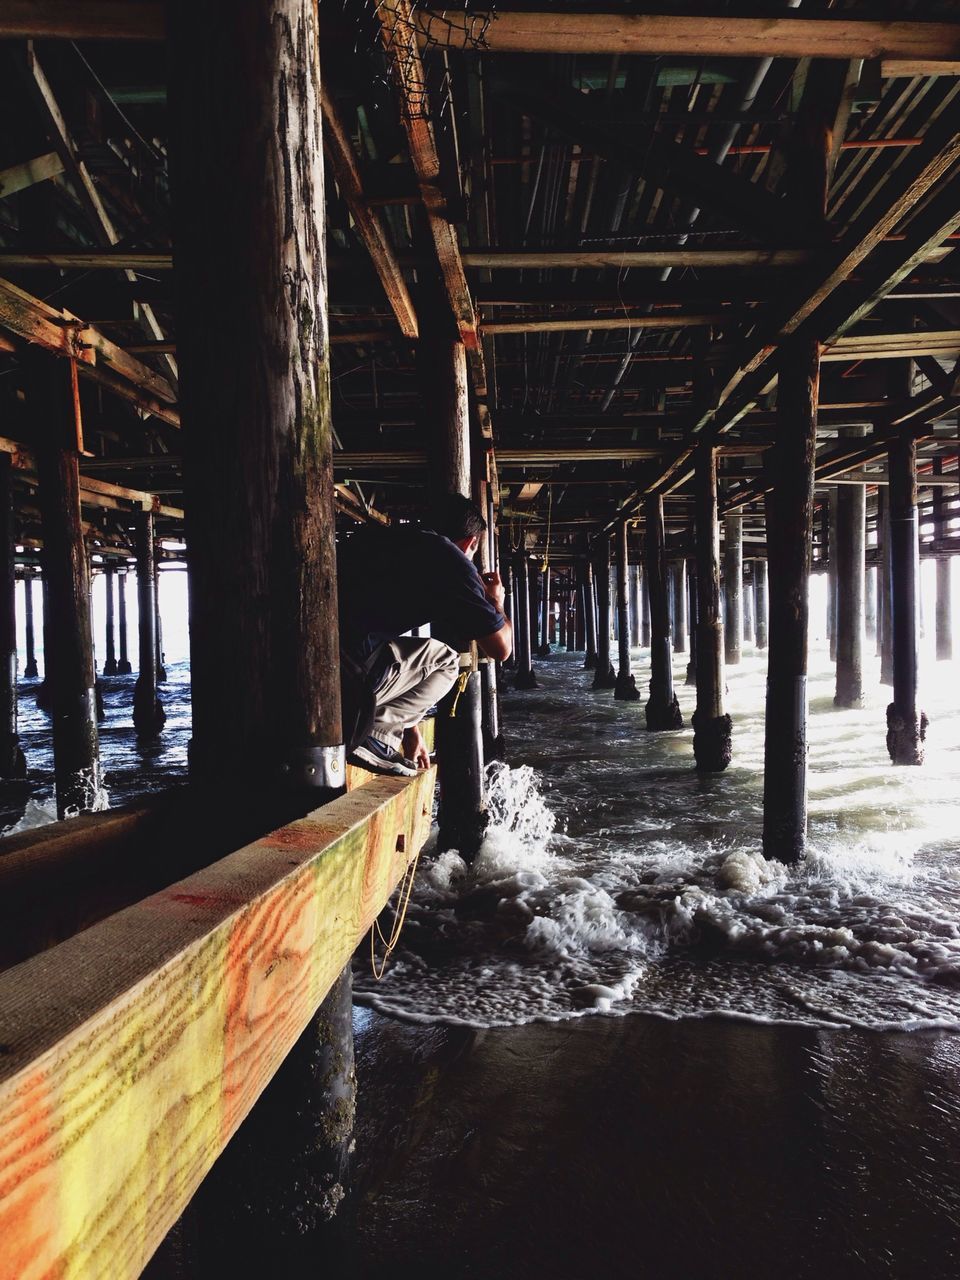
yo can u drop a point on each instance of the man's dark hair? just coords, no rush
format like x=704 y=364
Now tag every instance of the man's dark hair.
x=456 y=517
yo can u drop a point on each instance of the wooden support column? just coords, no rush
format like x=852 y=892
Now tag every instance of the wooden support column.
x=445 y=417
x=644 y=610
x=733 y=588
x=562 y=617
x=662 y=709
x=626 y=686
x=123 y=662
x=885 y=593
x=258 y=470
x=789 y=506
x=110 y=662
x=509 y=594
x=580 y=618
x=692 y=621
x=749 y=628
x=148 y=712
x=68 y=643
x=526 y=676
x=30 y=671
x=544 y=648
x=489 y=669
x=43 y=694
x=12 y=762
x=589 y=614
x=712 y=727
x=870 y=603
x=605 y=676
x=158 y=627
x=906 y=723
x=760 y=601
x=634 y=580
x=678 y=584
x=849 y=548
x=944 y=614
x=830 y=511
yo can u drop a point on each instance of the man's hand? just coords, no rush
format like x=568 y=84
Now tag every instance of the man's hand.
x=415 y=749
x=493 y=588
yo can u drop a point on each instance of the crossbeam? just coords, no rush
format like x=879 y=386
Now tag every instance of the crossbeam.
x=133 y=1050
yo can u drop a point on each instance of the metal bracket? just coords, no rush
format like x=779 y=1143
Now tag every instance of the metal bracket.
x=322 y=767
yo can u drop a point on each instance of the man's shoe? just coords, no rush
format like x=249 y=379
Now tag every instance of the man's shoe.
x=376 y=755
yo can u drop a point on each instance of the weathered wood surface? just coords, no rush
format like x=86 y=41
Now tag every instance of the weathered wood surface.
x=134 y=1050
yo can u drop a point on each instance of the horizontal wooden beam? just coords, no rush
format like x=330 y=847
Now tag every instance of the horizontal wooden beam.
x=93 y=492
x=904 y=48
x=664 y=321
x=21 y=176
x=621 y=259
x=133 y=1051
x=88 y=260
x=387 y=460
x=92 y=20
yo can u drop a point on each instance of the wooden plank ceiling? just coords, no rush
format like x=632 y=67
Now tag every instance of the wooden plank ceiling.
x=601 y=193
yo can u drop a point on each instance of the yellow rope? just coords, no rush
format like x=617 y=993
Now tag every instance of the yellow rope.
x=400 y=915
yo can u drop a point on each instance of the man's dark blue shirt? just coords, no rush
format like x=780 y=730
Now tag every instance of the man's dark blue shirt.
x=391 y=580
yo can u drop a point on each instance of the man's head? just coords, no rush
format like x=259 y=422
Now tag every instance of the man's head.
x=458 y=519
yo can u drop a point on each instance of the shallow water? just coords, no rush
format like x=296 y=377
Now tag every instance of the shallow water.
x=614 y=879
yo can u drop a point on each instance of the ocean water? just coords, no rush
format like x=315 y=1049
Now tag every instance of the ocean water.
x=614 y=879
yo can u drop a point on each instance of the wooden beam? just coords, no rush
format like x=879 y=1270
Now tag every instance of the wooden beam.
x=64 y=334
x=353 y=460
x=151 y=1034
x=90 y=489
x=343 y=162
x=20 y=176
x=602 y=322
x=905 y=48
x=403 y=54
x=620 y=259
x=56 y=20
x=88 y=260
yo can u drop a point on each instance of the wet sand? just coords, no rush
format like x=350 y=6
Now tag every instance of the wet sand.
x=636 y=1147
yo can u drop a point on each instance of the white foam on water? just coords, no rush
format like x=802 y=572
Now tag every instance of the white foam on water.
x=36 y=814
x=613 y=879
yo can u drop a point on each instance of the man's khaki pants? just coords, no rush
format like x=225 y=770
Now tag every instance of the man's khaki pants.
x=420 y=673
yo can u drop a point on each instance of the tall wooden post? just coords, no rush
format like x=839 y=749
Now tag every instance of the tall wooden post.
x=589 y=614
x=733 y=587
x=662 y=710
x=110 y=662
x=692 y=622
x=749 y=629
x=148 y=712
x=258 y=468
x=944 y=610
x=30 y=671
x=678 y=583
x=833 y=577
x=760 y=602
x=906 y=723
x=489 y=669
x=509 y=594
x=633 y=572
x=885 y=592
x=644 y=610
x=544 y=647
x=158 y=625
x=12 y=762
x=580 y=618
x=68 y=642
x=870 y=603
x=123 y=662
x=712 y=727
x=789 y=508
x=526 y=676
x=445 y=417
x=605 y=677
x=626 y=686
x=562 y=617
x=43 y=695
x=850 y=549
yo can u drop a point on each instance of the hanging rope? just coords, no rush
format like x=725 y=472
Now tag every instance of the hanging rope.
x=400 y=915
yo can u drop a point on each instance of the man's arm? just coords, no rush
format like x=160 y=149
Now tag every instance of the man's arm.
x=499 y=644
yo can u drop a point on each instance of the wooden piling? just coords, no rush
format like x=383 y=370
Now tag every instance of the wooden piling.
x=662 y=709
x=712 y=727
x=733 y=588
x=580 y=618
x=43 y=694
x=749 y=628
x=760 y=602
x=589 y=614
x=489 y=669
x=678 y=586
x=68 y=641
x=626 y=686
x=30 y=671
x=509 y=595
x=789 y=511
x=148 y=713
x=644 y=610
x=543 y=649
x=870 y=603
x=258 y=473
x=526 y=676
x=158 y=626
x=906 y=723
x=562 y=618
x=830 y=512
x=849 y=549
x=691 y=678
x=605 y=676
x=12 y=762
x=110 y=662
x=123 y=662
x=633 y=573
x=885 y=593
x=944 y=610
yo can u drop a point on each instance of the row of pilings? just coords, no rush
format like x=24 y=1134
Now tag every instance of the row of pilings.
x=695 y=600
x=68 y=688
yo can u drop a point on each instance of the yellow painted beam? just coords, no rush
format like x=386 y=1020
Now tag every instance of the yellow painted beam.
x=133 y=1050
